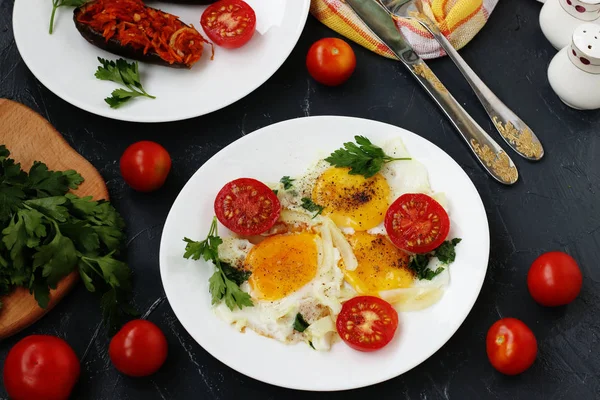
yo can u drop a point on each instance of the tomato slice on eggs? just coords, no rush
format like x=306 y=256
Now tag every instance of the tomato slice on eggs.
x=367 y=323
x=417 y=223
x=247 y=207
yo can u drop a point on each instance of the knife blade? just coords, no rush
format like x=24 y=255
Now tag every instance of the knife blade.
x=487 y=151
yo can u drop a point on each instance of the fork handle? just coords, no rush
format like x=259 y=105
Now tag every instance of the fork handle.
x=512 y=129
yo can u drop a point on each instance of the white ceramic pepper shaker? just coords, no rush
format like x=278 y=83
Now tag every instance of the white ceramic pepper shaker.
x=574 y=73
x=559 y=18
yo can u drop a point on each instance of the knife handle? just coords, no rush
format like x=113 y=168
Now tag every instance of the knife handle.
x=491 y=156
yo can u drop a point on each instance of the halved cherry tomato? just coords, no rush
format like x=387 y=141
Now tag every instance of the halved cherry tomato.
x=138 y=349
x=331 y=61
x=511 y=346
x=229 y=23
x=40 y=367
x=247 y=207
x=417 y=223
x=554 y=279
x=367 y=323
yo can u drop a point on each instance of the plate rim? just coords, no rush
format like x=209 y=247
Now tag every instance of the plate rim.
x=149 y=118
x=383 y=377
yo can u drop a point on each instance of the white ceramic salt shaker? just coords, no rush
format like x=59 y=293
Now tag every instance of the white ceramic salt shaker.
x=574 y=73
x=559 y=18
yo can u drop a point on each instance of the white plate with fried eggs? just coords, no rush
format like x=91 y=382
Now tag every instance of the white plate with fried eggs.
x=292 y=148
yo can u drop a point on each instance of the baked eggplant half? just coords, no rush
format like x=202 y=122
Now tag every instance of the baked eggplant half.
x=131 y=29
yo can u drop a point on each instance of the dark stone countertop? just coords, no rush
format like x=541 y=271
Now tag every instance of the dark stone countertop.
x=554 y=206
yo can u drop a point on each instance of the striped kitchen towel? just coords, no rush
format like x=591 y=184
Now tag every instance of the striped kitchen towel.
x=459 y=20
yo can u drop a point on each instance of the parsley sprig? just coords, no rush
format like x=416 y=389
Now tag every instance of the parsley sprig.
x=446 y=253
x=47 y=233
x=363 y=157
x=311 y=206
x=62 y=3
x=286 y=181
x=225 y=283
x=123 y=73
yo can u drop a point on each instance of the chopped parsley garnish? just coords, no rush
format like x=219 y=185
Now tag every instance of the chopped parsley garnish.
x=364 y=159
x=225 y=283
x=287 y=182
x=309 y=205
x=300 y=323
x=446 y=253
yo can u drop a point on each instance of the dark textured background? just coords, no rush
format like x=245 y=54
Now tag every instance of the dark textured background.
x=554 y=206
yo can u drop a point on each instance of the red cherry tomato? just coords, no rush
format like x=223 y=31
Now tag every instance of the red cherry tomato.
x=554 y=279
x=367 y=323
x=417 y=223
x=511 y=346
x=145 y=166
x=40 y=367
x=229 y=23
x=138 y=349
x=247 y=207
x=331 y=61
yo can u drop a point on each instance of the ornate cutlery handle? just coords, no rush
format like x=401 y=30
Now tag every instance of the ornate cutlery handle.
x=512 y=129
x=491 y=156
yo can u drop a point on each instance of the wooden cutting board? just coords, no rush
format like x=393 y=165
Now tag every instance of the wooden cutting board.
x=29 y=137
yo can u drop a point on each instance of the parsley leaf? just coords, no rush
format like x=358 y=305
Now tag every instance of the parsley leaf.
x=123 y=73
x=223 y=285
x=287 y=182
x=300 y=323
x=445 y=253
x=363 y=158
x=309 y=205
x=60 y=3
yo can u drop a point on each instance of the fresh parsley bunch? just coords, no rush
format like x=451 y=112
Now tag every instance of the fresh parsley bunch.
x=47 y=233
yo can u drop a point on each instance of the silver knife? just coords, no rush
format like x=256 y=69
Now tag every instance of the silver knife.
x=491 y=156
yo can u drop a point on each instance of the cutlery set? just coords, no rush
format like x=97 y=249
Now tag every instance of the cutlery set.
x=379 y=15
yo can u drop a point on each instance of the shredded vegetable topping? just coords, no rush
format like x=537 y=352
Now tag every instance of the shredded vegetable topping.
x=133 y=24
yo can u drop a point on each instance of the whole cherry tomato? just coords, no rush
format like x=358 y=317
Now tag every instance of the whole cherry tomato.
x=511 y=346
x=138 y=349
x=331 y=61
x=554 y=279
x=40 y=367
x=145 y=166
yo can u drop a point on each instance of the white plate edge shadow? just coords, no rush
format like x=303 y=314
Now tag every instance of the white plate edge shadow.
x=107 y=112
x=353 y=384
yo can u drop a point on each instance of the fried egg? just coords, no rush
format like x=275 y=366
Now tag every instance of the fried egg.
x=310 y=263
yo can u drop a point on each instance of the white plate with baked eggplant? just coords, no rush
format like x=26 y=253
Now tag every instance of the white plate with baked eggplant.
x=188 y=84
x=316 y=262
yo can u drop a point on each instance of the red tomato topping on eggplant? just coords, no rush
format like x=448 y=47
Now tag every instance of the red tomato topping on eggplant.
x=247 y=207
x=511 y=346
x=417 y=223
x=40 y=367
x=138 y=349
x=229 y=23
x=367 y=323
x=554 y=279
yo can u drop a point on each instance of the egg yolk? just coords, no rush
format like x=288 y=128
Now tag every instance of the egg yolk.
x=381 y=265
x=282 y=264
x=352 y=201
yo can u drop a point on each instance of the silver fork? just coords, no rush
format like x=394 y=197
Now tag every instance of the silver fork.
x=513 y=130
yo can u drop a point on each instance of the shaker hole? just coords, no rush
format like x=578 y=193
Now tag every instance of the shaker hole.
x=590 y=47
